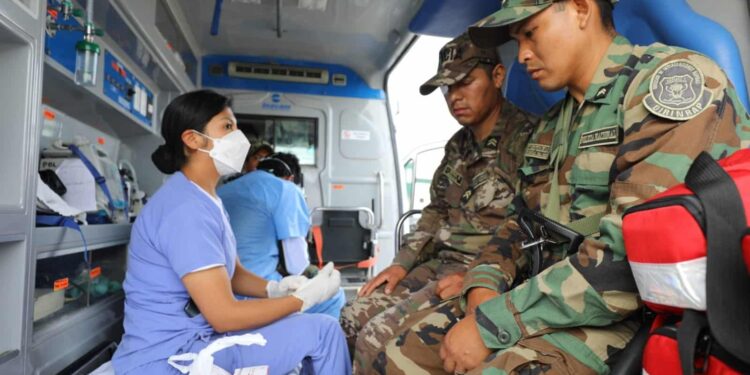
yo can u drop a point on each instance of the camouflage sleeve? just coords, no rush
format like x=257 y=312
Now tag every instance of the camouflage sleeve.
x=596 y=287
x=498 y=263
x=432 y=218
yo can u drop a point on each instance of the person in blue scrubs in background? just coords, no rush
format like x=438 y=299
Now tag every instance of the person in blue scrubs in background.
x=181 y=314
x=270 y=217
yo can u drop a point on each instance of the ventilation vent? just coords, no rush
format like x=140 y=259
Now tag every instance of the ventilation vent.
x=278 y=73
x=339 y=80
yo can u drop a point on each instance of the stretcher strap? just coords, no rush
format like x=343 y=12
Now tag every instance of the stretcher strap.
x=318 y=239
x=367 y=263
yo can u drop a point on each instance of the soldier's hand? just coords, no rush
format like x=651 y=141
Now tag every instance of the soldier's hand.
x=450 y=285
x=391 y=276
x=478 y=296
x=463 y=348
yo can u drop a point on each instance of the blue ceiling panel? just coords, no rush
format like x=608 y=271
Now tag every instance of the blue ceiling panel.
x=449 y=18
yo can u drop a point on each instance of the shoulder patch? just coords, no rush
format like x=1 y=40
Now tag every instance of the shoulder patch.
x=537 y=151
x=677 y=91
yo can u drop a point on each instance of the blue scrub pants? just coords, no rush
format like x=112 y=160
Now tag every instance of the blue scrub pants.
x=314 y=340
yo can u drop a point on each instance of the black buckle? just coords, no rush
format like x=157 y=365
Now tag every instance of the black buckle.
x=702 y=352
x=542 y=231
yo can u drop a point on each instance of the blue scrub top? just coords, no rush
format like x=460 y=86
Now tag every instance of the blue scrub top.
x=263 y=209
x=182 y=229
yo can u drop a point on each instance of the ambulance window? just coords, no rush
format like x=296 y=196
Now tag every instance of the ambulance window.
x=295 y=135
x=422 y=167
x=176 y=41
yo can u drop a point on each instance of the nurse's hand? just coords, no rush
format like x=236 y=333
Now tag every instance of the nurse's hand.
x=285 y=287
x=391 y=276
x=320 y=288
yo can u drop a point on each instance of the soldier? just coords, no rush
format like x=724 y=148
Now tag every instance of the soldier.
x=470 y=191
x=629 y=127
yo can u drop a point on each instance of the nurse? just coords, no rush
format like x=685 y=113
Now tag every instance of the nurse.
x=181 y=314
x=269 y=217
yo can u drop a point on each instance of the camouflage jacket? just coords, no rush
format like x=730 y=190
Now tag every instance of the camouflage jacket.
x=619 y=153
x=470 y=191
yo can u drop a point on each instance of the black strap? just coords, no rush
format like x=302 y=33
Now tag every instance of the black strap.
x=727 y=278
x=691 y=328
x=281 y=265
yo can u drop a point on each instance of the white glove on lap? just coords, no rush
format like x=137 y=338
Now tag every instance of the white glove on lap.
x=285 y=286
x=320 y=288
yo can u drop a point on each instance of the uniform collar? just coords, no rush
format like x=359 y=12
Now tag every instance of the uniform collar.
x=600 y=89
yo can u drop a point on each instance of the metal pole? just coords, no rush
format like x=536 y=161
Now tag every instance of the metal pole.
x=278 y=18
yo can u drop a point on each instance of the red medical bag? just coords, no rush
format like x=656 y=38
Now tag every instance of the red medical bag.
x=689 y=252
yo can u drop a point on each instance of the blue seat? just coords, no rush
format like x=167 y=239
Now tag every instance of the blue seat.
x=644 y=22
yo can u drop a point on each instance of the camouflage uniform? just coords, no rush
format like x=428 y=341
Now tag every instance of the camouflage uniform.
x=470 y=192
x=648 y=112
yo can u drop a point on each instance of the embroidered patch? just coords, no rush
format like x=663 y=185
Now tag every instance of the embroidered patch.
x=492 y=142
x=480 y=178
x=677 y=91
x=537 y=151
x=453 y=175
x=467 y=195
x=600 y=137
x=442 y=182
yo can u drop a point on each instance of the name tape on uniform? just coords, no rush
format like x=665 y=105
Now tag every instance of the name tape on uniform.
x=600 y=137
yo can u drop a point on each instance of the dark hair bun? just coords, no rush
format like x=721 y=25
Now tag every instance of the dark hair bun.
x=164 y=160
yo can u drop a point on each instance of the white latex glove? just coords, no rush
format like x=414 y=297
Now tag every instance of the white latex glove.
x=285 y=286
x=320 y=288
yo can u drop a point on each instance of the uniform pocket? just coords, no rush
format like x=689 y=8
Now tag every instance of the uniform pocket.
x=479 y=194
x=534 y=178
x=590 y=181
x=487 y=191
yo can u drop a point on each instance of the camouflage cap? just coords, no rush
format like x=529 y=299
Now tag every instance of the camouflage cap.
x=258 y=145
x=457 y=59
x=493 y=30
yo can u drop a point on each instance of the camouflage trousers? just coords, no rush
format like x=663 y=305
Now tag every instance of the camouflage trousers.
x=369 y=321
x=415 y=347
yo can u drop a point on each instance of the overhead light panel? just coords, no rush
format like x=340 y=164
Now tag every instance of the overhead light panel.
x=313 y=4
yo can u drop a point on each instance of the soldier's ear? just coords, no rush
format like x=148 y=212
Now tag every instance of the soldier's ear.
x=498 y=76
x=584 y=10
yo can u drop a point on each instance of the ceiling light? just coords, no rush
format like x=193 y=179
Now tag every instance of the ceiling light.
x=313 y=4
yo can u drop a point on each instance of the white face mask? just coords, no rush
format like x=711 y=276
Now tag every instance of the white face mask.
x=229 y=152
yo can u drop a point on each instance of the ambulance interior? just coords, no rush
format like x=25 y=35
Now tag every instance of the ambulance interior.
x=307 y=76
